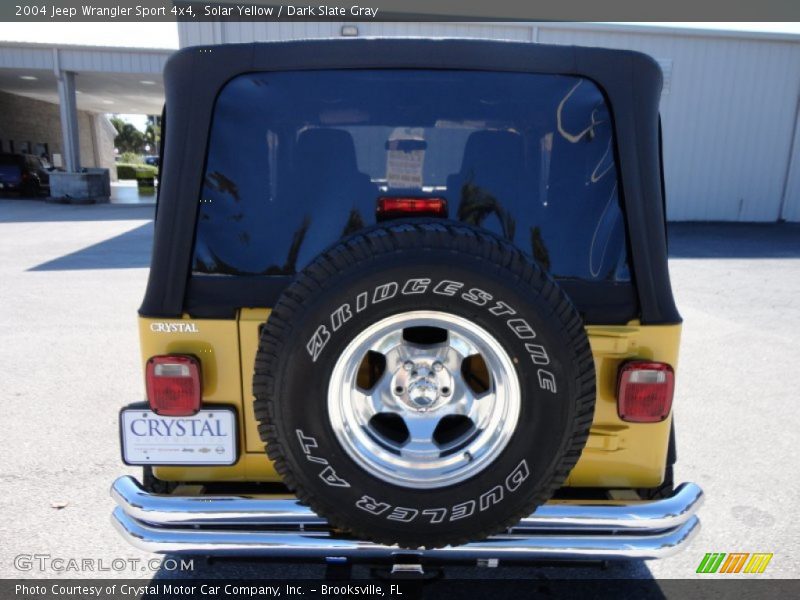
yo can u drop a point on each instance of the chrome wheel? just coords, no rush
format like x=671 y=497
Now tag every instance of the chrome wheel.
x=424 y=399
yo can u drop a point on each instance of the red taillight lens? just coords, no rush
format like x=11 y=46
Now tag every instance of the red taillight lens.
x=394 y=207
x=173 y=385
x=644 y=391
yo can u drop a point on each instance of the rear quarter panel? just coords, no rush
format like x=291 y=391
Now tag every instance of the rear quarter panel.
x=617 y=454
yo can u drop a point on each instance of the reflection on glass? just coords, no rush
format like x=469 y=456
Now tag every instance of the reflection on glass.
x=478 y=204
x=539 y=249
x=297 y=160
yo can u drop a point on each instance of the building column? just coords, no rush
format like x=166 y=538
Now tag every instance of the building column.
x=68 y=108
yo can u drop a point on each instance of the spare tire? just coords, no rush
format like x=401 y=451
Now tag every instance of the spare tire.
x=424 y=383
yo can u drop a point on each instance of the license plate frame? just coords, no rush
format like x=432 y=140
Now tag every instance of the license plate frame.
x=195 y=446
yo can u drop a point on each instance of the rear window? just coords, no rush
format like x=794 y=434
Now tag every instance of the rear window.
x=296 y=160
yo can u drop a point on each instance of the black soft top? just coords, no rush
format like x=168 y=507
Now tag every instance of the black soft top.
x=194 y=77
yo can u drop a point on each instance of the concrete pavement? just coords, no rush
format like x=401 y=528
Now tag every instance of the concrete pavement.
x=71 y=280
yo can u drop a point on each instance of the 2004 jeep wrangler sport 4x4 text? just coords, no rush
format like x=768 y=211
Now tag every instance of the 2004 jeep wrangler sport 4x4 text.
x=408 y=296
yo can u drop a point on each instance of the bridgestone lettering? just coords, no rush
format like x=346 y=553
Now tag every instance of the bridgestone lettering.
x=521 y=328
x=424 y=383
x=318 y=341
x=384 y=292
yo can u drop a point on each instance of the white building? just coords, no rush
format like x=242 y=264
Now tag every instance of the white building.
x=54 y=98
x=730 y=103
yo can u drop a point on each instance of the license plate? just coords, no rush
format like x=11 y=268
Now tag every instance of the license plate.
x=207 y=438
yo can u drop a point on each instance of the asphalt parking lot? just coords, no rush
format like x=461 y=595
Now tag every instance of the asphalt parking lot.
x=71 y=280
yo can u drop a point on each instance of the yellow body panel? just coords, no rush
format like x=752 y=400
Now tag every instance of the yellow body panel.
x=216 y=344
x=617 y=454
x=620 y=454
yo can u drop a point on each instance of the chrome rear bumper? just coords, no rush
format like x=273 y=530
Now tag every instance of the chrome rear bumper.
x=284 y=529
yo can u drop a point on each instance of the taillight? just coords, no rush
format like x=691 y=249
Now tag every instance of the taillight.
x=173 y=385
x=390 y=207
x=644 y=391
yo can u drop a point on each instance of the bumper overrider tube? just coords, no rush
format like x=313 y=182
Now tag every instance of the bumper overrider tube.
x=284 y=529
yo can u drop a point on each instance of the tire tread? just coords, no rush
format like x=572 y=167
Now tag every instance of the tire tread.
x=360 y=249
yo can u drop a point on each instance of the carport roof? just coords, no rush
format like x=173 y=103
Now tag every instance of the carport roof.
x=108 y=80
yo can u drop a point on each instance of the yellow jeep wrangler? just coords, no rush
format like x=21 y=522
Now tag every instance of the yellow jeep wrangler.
x=408 y=296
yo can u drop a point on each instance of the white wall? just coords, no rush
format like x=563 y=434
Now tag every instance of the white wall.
x=728 y=119
x=729 y=116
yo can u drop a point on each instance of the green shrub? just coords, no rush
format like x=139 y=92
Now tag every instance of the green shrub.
x=146 y=171
x=128 y=171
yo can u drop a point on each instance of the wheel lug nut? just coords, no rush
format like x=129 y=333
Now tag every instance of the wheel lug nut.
x=399 y=390
x=437 y=366
x=445 y=391
x=408 y=365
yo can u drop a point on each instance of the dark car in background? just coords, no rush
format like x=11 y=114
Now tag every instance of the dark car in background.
x=23 y=173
